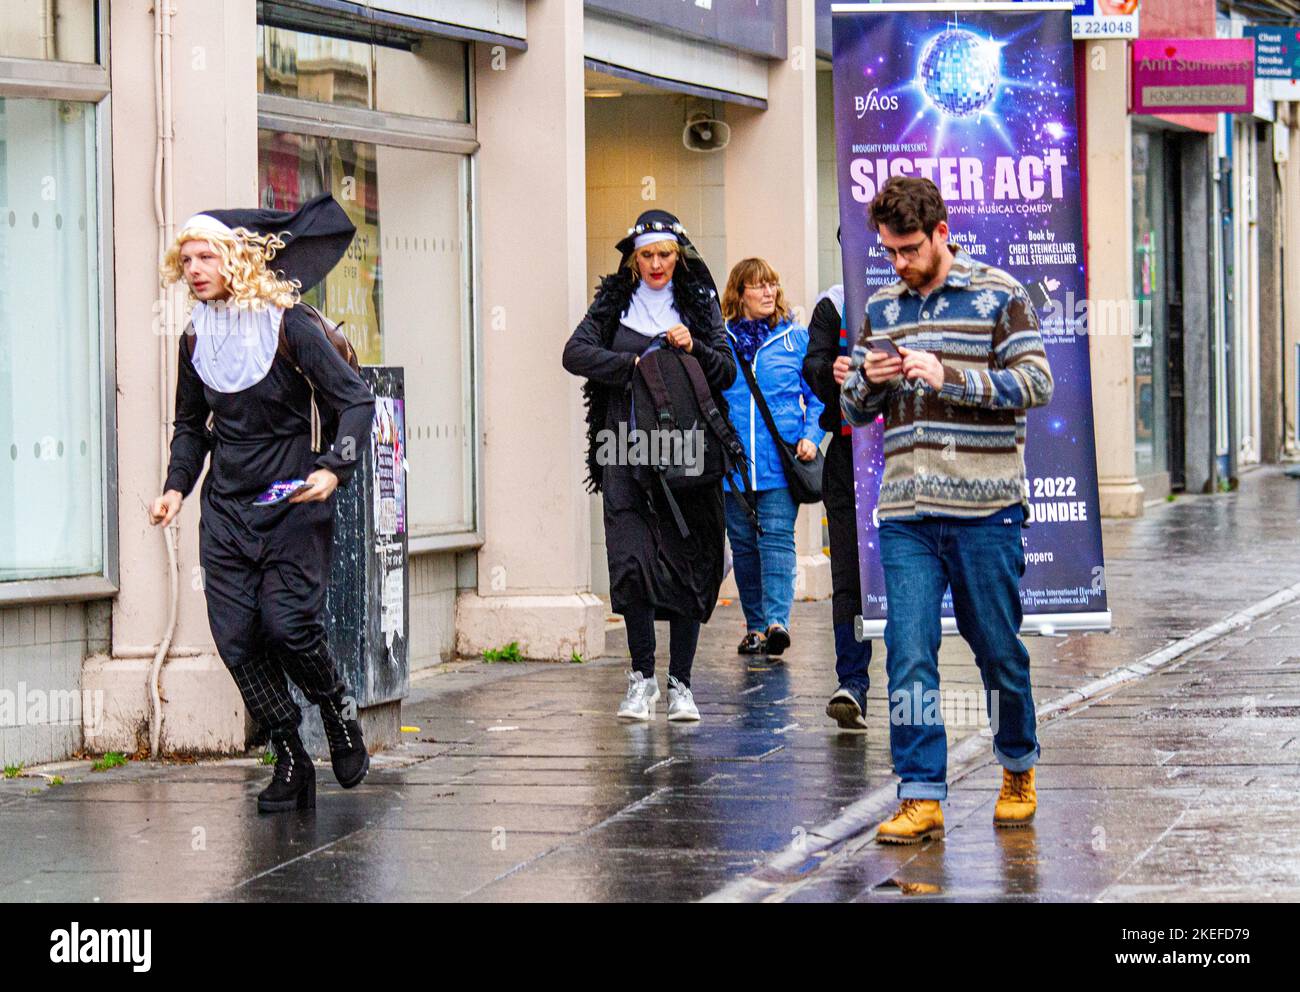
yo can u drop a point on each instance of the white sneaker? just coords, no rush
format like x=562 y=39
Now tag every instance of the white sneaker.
x=681 y=704
x=642 y=695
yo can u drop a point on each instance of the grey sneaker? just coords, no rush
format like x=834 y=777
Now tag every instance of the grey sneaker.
x=642 y=695
x=681 y=704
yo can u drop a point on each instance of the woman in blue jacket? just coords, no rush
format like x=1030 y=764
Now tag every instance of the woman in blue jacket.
x=763 y=335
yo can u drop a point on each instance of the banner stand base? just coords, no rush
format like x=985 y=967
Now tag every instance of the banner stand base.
x=1042 y=624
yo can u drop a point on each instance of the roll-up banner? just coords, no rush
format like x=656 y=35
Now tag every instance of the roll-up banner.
x=980 y=98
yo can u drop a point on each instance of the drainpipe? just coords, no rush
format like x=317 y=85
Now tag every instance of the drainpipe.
x=165 y=322
x=49 y=43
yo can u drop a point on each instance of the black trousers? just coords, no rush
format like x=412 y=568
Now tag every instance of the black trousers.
x=263 y=686
x=684 y=636
x=842 y=522
x=265 y=571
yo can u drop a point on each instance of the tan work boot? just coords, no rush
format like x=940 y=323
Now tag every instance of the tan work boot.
x=915 y=821
x=1017 y=801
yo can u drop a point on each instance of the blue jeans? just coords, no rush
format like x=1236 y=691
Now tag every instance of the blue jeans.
x=983 y=561
x=764 y=565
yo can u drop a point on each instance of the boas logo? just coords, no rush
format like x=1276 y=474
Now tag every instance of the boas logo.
x=873 y=101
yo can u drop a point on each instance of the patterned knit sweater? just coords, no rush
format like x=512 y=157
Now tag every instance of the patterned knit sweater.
x=957 y=452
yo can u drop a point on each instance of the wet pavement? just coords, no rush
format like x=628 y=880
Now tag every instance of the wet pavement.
x=1182 y=787
x=521 y=785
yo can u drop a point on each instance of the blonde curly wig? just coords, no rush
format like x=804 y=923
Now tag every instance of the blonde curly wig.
x=244 y=266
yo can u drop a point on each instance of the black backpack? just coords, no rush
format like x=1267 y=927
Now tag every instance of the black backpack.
x=685 y=442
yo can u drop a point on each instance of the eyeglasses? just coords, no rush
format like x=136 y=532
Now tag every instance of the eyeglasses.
x=771 y=287
x=909 y=252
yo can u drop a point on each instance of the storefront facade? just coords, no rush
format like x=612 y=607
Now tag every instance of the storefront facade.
x=459 y=136
x=1187 y=371
x=490 y=153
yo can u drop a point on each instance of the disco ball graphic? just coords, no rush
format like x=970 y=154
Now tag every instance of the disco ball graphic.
x=959 y=72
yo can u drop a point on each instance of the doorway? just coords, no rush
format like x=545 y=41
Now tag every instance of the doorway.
x=1158 y=343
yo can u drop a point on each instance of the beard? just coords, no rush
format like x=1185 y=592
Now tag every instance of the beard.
x=916 y=277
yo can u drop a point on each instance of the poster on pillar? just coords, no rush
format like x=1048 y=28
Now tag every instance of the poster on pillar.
x=979 y=98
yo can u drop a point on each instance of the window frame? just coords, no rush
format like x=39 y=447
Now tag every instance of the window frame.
x=296 y=116
x=40 y=79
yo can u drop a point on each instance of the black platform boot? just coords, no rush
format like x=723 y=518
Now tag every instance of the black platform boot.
x=293 y=783
x=317 y=676
x=348 y=752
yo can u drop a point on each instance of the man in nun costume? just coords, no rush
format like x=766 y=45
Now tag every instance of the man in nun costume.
x=260 y=366
x=662 y=290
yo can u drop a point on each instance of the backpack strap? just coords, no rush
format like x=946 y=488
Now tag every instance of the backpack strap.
x=653 y=376
x=283 y=348
x=721 y=428
x=672 y=505
x=285 y=351
x=704 y=397
x=761 y=402
x=735 y=450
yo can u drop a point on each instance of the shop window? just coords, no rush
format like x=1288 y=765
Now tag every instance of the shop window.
x=427 y=77
x=403 y=293
x=431 y=80
x=292 y=168
x=1150 y=335
x=51 y=30
x=51 y=398
x=312 y=67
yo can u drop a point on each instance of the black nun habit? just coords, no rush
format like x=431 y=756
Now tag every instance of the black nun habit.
x=266 y=567
x=651 y=566
x=315 y=236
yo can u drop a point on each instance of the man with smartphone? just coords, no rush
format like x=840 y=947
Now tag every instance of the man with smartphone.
x=952 y=356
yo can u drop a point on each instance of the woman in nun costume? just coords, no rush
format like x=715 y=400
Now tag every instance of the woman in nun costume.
x=266 y=565
x=662 y=287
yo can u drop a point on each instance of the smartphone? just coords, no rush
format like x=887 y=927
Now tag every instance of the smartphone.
x=884 y=343
x=280 y=491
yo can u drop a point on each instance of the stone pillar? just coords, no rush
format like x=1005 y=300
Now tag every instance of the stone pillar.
x=214 y=104
x=1110 y=275
x=771 y=212
x=534 y=570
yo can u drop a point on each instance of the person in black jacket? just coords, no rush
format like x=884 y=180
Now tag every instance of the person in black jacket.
x=256 y=361
x=825 y=367
x=662 y=292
